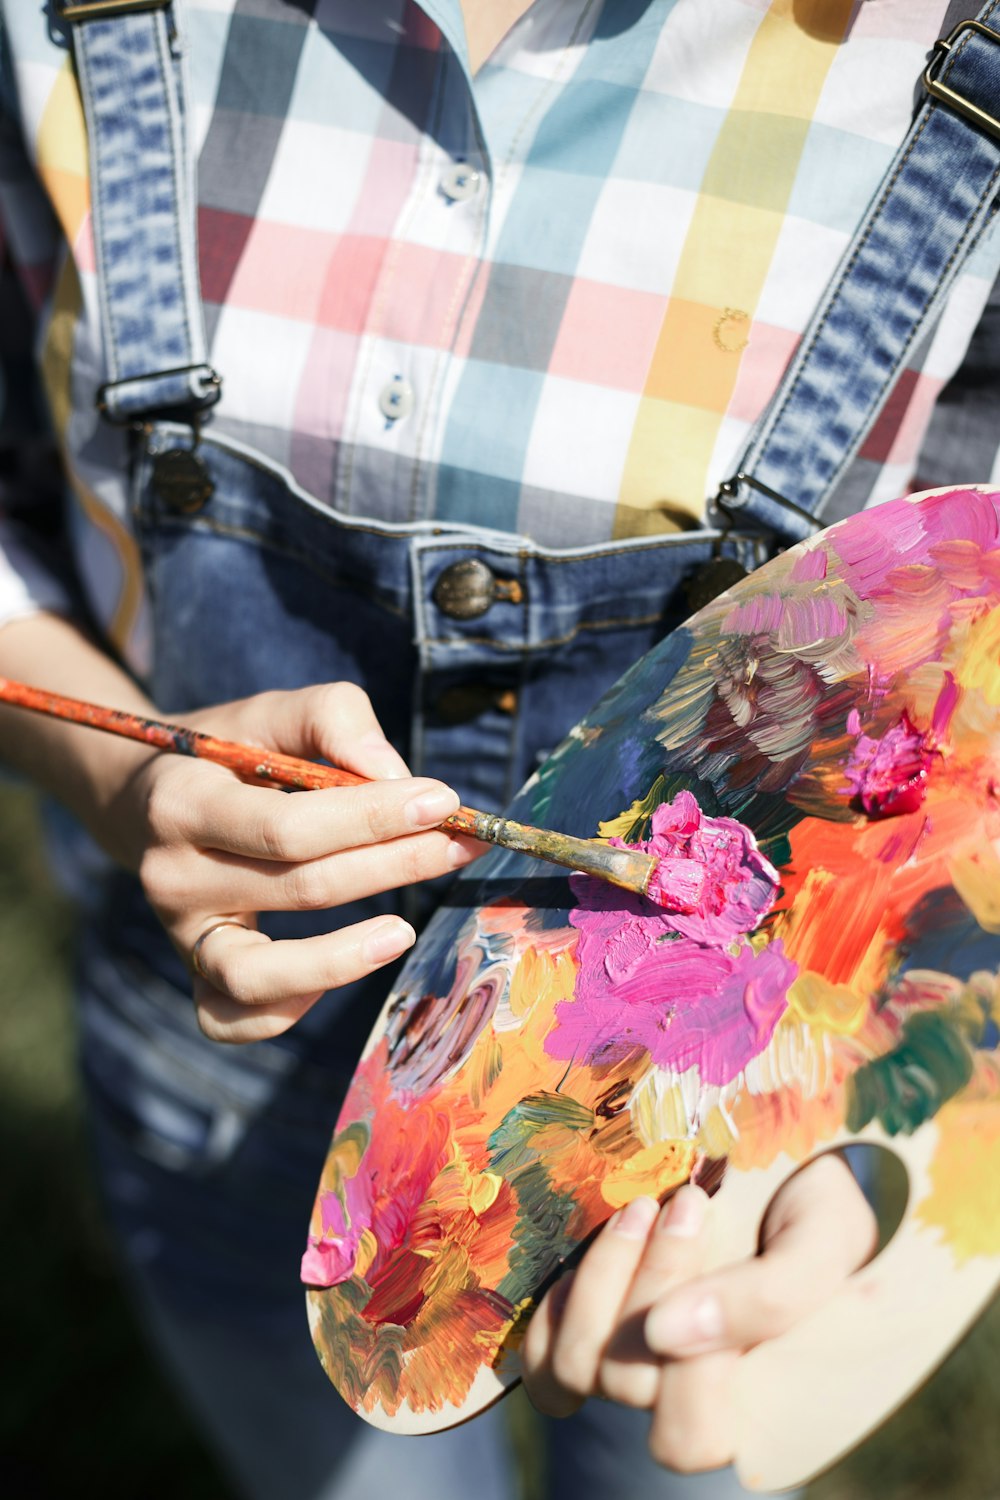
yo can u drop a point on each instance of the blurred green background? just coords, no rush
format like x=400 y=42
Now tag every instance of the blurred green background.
x=85 y=1406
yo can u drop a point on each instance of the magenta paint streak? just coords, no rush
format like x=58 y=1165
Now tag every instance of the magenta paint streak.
x=917 y=530
x=888 y=773
x=810 y=567
x=332 y=1259
x=793 y=621
x=682 y=983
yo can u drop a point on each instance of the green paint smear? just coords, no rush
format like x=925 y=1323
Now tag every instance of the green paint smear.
x=511 y=1146
x=541 y=1242
x=907 y=1086
x=355 y=1355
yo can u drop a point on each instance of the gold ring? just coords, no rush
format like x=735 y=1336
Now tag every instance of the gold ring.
x=196 y=950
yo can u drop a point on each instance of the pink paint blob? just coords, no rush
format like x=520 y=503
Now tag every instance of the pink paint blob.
x=686 y=1003
x=711 y=876
x=678 y=977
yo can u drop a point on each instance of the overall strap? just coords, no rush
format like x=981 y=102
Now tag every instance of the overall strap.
x=938 y=196
x=143 y=200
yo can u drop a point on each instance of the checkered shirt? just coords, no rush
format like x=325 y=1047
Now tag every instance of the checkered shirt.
x=550 y=300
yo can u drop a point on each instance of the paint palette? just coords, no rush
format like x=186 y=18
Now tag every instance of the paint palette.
x=815 y=759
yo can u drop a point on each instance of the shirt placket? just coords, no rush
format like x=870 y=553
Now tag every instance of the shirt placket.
x=427 y=276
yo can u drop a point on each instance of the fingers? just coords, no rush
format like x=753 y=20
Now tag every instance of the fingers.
x=694 y=1417
x=331 y=721
x=250 y=988
x=818 y=1231
x=563 y=1372
x=637 y=1324
x=544 y=1390
x=207 y=806
x=218 y=845
x=593 y=1342
x=673 y=1252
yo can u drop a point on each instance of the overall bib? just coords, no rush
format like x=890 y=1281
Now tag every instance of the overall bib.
x=479 y=650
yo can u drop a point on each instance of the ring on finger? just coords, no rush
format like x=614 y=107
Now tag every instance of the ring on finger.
x=200 y=943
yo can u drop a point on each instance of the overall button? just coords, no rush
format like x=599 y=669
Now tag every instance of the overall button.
x=468 y=588
x=181 y=481
x=460 y=182
x=396 y=398
x=465 y=589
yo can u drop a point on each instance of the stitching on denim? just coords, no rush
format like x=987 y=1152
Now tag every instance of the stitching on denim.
x=975 y=226
x=619 y=622
x=168 y=77
x=873 y=217
x=872 y=406
x=85 y=84
x=695 y=540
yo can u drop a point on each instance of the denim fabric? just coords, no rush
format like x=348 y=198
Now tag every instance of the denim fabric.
x=143 y=199
x=211 y=1155
x=936 y=201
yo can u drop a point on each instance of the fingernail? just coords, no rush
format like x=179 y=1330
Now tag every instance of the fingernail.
x=388 y=942
x=634 y=1221
x=680 y=1325
x=430 y=808
x=684 y=1215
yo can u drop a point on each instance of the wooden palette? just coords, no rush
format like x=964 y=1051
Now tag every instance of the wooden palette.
x=814 y=758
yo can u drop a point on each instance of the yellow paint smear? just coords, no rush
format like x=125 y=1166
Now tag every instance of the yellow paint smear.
x=541 y=976
x=979 y=669
x=964 y=1201
x=976 y=877
x=653 y=1171
x=833 y=1007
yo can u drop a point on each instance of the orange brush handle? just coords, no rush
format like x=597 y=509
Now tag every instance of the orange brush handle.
x=623 y=867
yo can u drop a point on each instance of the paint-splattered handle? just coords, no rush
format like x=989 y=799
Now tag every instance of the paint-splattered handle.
x=622 y=867
x=628 y=868
x=248 y=762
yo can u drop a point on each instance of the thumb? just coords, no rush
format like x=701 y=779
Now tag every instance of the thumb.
x=818 y=1230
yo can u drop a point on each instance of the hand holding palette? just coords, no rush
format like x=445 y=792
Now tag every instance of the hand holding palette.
x=815 y=761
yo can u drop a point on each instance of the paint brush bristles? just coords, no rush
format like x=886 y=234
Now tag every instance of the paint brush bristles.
x=628 y=868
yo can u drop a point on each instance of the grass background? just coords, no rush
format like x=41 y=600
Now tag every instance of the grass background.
x=84 y=1404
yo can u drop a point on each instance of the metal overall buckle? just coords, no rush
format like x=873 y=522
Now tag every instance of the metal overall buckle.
x=945 y=95
x=723 y=571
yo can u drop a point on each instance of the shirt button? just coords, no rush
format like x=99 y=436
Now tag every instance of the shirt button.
x=460 y=182
x=396 y=398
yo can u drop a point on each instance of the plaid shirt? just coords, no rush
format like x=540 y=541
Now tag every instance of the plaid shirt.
x=551 y=299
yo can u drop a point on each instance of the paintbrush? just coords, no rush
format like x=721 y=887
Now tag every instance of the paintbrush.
x=629 y=868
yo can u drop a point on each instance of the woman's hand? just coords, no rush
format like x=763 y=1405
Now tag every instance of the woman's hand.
x=208 y=847
x=637 y=1323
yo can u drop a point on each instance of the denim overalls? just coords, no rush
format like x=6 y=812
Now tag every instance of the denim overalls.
x=479 y=649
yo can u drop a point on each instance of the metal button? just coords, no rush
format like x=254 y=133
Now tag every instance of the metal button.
x=181 y=481
x=465 y=589
x=396 y=398
x=460 y=182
